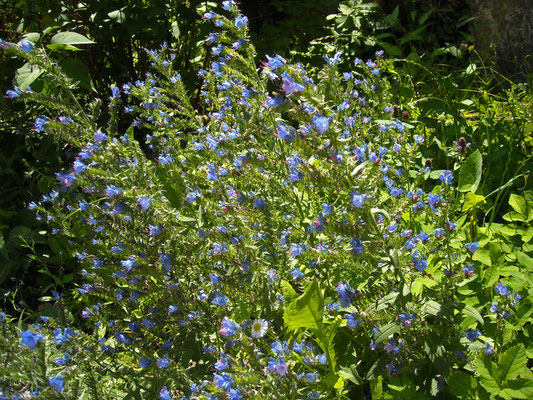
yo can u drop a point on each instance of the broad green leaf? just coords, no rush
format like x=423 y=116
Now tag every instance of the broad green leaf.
x=472 y=312
x=462 y=385
x=350 y=374
x=470 y=173
x=432 y=307
x=472 y=200
x=118 y=15
x=483 y=256
x=518 y=203
x=76 y=70
x=26 y=75
x=511 y=362
x=436 y=353
x=306 y=311
x=376 y=388
x=32 y=37
x=385 y=332
x=70 y=38
x=489 y=374
x=518 y=389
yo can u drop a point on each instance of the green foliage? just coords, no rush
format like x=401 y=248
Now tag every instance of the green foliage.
x=288 y=230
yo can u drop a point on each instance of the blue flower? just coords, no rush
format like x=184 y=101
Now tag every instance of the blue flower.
x=472 y=247
x=223 y=381
x=321 y=123
x=358 y=200
x=275 y=62
x=501 y=289
x=229 y=327
x=241 y=21
x=30 y=339
x=446 y=177
x=26 y=45
x=163 y=362
x=472 y=335
x=164 y=394
x=100 y=136
x=112 y=190
x=220 y=300
x=40 y=123
x=57 y=382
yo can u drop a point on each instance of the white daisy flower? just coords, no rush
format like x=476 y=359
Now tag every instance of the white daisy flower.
x=259 y=328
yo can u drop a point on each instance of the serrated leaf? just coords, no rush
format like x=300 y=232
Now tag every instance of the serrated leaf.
x=306 y=311
x=489 y=374
x=511 y=362
x=518 y=389
x=462 y=385
x=70 y=38
x=470 y=173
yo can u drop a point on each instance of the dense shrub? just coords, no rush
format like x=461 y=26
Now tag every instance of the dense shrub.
x=281 y=234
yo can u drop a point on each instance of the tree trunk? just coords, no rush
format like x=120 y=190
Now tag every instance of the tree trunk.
x=503 y=30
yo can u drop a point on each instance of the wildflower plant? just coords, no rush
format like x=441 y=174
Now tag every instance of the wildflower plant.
x=274 y=233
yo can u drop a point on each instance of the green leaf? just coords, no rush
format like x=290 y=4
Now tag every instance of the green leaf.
x=518 y=389
x=489 y=374
x=518 y=203
x=306 y=310
x=70 y=38
x=26 y=75
x=511 y=362
x=483 y=256
x=350 y=374
x=472 y=200
x=385 y=332
x=376 y=388
x=462 y=385
x=32 y=37
x=76 y=70
x=472 y=312
x=470 y=173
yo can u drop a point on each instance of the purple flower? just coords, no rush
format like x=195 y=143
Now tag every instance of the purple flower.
x=65 y=179
x=30 y=339
x=289 y=85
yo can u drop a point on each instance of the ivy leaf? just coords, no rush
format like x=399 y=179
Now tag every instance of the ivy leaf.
x=306 y=311
x=470 y=173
